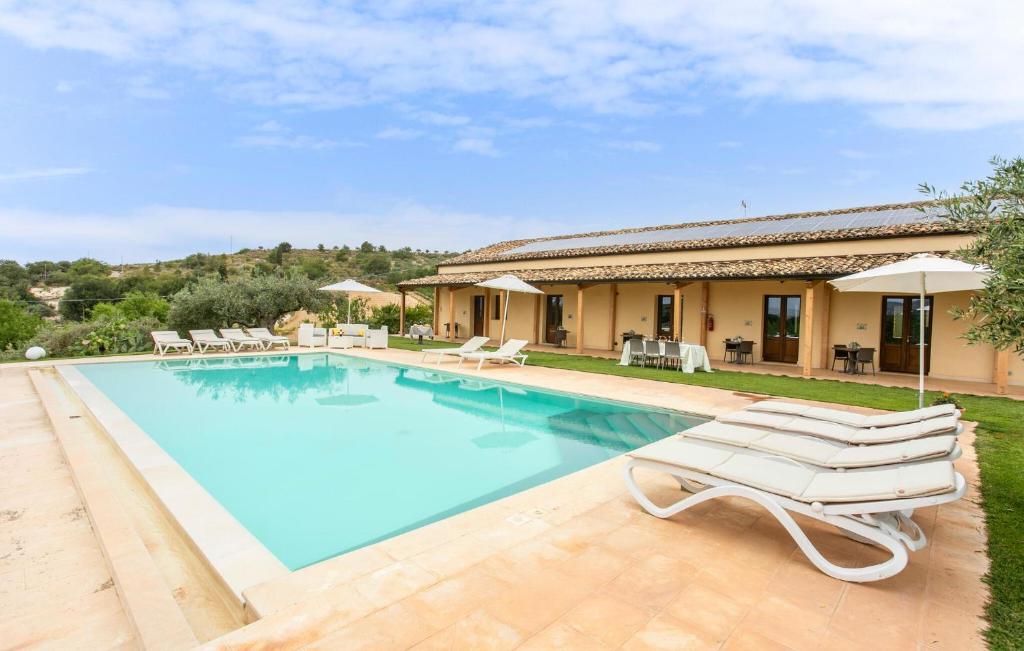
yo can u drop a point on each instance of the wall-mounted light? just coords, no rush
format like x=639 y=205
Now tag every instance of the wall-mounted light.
x=862 y=326
x=748 y=323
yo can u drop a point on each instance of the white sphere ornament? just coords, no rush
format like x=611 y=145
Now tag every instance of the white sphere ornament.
x=35 y=352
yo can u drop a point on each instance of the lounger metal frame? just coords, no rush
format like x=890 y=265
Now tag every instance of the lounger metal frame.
x=884 y=523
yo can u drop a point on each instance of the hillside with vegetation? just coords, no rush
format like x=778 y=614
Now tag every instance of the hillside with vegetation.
x=85 y=306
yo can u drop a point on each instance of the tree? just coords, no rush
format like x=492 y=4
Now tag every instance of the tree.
x=993 y=210
x=84 y=294
x=257 y=301
x=320 y=247
x=14 y=281
x=377 y=265
x=87 y=267
x=136 y=305
x=366 y=247
x=313 y=268
x=17 y=326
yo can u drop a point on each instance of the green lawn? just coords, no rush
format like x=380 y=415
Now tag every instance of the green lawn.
x=1000 y=445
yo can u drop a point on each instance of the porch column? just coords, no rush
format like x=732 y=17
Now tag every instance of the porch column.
x=401 y=314
x=536 y=318
x=437 y=311
x=451 y=314
x=579 y=318
x=612 y=300
x=1002 y=371
x=487 y=311
x=704 y=313
x=807 y=333
x=826 y=325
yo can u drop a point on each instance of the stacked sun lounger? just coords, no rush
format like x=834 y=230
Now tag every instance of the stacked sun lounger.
x=863 y=474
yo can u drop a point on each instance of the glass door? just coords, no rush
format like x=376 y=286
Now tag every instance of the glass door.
x=781 y=329
x=901 y=333
x=479 y=311
x=664 y=316
x=553 y=317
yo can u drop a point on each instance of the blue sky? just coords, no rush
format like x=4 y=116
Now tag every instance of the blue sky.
x=150 y=130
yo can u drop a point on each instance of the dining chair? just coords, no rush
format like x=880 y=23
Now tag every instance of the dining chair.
x=865 y=356
x=840 y=352
x=652 y=351
x=673 y=354
x=745 y=349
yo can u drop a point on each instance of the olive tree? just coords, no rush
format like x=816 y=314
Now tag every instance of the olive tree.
x=992 y=209
x=256 y=301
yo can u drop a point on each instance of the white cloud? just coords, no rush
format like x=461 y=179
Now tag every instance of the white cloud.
x=912 y=64
x=856 y=177
x=635 y=145
x=482 y=146
x=273 y=135
x=143 y=87
x=167 y=232
x=43 y=173
x=398 y=133
x=730 y=144
x=65 y=86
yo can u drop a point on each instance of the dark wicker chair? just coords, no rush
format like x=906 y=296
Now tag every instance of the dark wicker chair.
x=864 y=357
x=840 y=353
x=745 y=349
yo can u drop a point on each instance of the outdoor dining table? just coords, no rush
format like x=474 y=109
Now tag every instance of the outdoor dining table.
x=693 y=356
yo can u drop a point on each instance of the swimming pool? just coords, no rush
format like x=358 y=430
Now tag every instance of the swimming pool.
x=319 y=454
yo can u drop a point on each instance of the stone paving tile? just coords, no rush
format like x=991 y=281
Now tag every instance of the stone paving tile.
x=55 y=587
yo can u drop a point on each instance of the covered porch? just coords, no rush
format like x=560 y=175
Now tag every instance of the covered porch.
x=784 y=306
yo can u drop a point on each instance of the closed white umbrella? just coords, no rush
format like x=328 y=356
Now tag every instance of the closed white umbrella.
x=349 y=286
x=508 y=284
x=921 y=273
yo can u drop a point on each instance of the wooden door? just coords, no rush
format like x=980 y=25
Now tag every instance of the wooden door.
x=553 y=317
x=479 y=313
x=901 y=326
x=781 y=329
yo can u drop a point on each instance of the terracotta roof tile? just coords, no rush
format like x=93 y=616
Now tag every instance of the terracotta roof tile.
x=800 y=268
x=818 y=230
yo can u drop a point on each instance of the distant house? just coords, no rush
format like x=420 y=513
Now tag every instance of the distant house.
x=760 y=278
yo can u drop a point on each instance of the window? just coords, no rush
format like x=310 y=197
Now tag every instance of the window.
x=664 y=316
x=497 y=307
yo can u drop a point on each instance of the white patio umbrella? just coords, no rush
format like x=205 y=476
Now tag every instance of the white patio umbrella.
x=349 y=286
x=918 y=274
x=508 y=284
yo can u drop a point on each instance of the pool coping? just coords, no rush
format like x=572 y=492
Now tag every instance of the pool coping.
x=231 y=551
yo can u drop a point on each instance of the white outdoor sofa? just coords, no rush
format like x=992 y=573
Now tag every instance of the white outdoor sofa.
x=508 y=352
x=166 y=340
x=471 y=346
x=311 y=336
x=872 y=504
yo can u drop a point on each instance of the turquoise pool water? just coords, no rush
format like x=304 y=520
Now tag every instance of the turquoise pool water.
x=318 y=454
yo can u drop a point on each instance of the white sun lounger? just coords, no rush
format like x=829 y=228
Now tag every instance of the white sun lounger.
x=268 y=338
x=509 y=352
x=240 y=340
x=872 y=506
x=207 y=339
x=470 y=346
x=826 y=454
x=843 y=433
x=853 y=419
x=165 y=340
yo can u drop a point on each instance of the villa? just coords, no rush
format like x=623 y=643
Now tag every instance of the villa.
x=762 y=279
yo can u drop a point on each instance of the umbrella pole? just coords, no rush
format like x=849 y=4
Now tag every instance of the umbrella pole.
x=504 y=319
x=920 y=347
x=348 y=301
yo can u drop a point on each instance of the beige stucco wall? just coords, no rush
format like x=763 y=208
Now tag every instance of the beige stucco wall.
x=737 y=308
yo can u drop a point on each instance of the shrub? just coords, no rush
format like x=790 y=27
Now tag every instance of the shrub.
x=136 y=305
x=376 y=265
x=385 y=315
x=313 y=268
x=17 y=326
x=58 y=340
x=117 y=335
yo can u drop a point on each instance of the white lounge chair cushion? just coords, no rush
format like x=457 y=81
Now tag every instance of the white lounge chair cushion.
x=808 y=449
x=842 y=433
x=850 y=418
x=800 y=483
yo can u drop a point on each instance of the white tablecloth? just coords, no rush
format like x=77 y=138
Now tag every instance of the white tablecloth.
x=694 y=356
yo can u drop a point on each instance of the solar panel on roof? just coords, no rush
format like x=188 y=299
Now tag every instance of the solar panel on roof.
x=845 y=221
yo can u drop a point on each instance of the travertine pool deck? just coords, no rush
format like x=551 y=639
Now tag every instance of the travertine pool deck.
x=576 y=564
